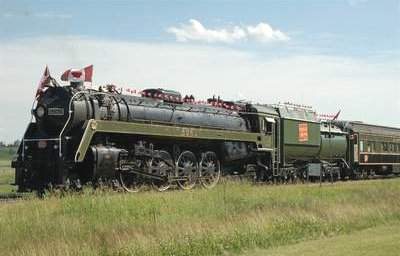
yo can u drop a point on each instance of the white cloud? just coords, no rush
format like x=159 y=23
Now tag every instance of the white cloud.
x=264 y=33
x=195 y=31
x=364 y=89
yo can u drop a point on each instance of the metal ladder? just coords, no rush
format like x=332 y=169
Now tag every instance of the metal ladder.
x=277 y=150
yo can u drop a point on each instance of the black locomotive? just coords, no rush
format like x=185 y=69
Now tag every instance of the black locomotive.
x=82 y=136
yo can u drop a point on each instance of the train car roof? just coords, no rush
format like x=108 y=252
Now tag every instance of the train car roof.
x=361 y=127
x=288 y=112
x=266 y=109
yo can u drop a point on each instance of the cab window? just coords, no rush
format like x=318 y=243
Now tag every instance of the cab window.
x=268 y=125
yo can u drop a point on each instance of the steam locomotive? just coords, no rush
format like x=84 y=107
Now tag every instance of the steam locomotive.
x=80 y=136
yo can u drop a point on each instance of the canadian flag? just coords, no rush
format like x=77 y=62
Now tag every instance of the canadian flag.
x=44 y=81
x=76 y=75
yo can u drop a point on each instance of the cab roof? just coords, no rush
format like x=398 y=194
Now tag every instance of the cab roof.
x=265 y=109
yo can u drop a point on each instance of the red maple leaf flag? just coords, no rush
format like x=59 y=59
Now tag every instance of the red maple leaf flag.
x=84 y=74
x=44 y=81
x=88 y=73
x=64 y=76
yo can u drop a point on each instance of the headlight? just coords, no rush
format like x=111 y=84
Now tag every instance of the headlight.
x=40 y=111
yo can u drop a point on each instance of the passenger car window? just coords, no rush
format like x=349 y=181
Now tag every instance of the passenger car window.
x=385 y=147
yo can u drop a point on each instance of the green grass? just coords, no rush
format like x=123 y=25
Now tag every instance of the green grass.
x=6 y=177
x=6 y=173
x=5 y=164
x=231 y=219
x=378 y=241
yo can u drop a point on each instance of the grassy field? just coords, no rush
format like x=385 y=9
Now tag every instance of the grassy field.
x=232 y=219
x=6 y=173
x=381 y=240
x=6 y=176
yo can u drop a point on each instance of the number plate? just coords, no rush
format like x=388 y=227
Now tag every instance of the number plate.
x=55 y=112
x=42 y=144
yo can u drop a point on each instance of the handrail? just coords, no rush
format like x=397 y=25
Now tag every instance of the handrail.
x=70 y=115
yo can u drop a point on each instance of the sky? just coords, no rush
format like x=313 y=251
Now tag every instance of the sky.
x=332 y=55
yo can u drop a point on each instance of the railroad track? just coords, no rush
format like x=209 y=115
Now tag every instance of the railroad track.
x=13 y=197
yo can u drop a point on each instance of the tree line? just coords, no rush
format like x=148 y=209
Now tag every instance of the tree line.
x=10 y=145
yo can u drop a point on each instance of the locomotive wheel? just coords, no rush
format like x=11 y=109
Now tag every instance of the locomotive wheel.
x=210 y=170
x=130 y=181
x=162 y=166
x=187 y=168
